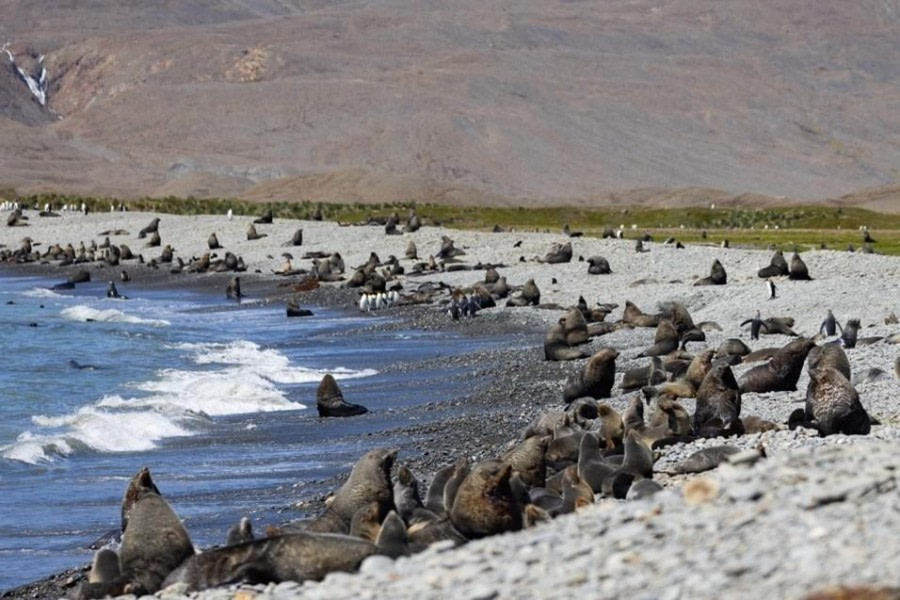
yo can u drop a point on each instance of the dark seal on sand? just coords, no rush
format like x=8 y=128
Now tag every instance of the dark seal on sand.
x=330 y=401
x=798 y=269
x=596 y=379
x=717 y=275
x=485 y=504
x=782 y=372
x=777 y=266
x=832 y=403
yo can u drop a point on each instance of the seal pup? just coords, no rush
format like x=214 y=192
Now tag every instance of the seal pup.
x=485 y=504
x=233 y=291
x=833 y=405
x=155 y=241
x=777 y=266
x=703 y=460
x=291 y=557
x=717 y=275
x=782 y=372
x=596 y=379
x=213 y=242
x=555 y=346
x=369 y=481
x=392 y=539
x=798 y=271
x=652 y=374
x=406 y=493
x=330 y=401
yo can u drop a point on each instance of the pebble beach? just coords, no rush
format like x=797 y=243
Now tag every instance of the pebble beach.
x=816 y=513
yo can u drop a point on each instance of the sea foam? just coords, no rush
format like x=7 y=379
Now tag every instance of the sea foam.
x=87 y=313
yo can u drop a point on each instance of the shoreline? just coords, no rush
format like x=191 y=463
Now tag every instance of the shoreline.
x=513 y=385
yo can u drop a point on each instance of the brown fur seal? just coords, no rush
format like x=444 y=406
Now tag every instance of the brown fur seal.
x=434 y=498
x=596 y=379
x=754 y=424
x=406 y=493
x=153 y=227
x=777 y=266
x=576 y=328
x=718 y=397
x=665 y=341
x=527 y=460
x=330 y=401
x=782 y=372
x=461 y=470
x=154 y=544
x=664 y=410
x=704 y=460
x=717 y=275
x=699 y=367
x=366 y=522
x=294 y=557
x=555 y=346
x=779 y=325
x=612 y=428
x=392 y=539
x=369 y=481
x=732 y=347
x=105 y=567
x=140 y=485
x=485 y=504
x=798 y=269
x=760 y=355
x=155 y=241
x=592 y=468
x=530 y=293
x=829 y=355
x=213 y=242
x=652 y=374
x=560 y=253
x=634 y=316
x=252 y=234
x=832 y=403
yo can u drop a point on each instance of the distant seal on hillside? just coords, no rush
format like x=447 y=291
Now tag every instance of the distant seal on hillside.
x=485 y=504
x=369 y=481
x=330 y=401
x=782 y=372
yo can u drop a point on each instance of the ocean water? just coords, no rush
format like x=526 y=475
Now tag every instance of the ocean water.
x=218 y=402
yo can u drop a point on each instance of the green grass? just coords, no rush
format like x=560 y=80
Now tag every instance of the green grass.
x=802 y=227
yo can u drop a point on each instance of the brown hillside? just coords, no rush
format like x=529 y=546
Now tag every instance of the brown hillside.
x=524 y=101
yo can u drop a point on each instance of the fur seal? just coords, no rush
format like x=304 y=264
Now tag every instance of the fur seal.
x=704 y=460
x=434 y=497
x=460 y=471
x=592 y=468
x=612 y=428
x=330 y=401
x=652 y=374
x=233 y=291
x=369 y=481
x=139 y=486
x=754 y=424
x=633 y=316
x=598 y=265
x=296 y=557
x=596 y=379
x=560 y=253
x=155 y=240
x=718 y=396
x=780 y=325
x=406 y=493
x=153 y=227
x=829 y=355
x=366 y=522
x=293 y=309
x=242 y=532
x=485 y=504
x=252 y=234
x=527 y=460
x=665 y=341
x=777 y=266
x=717 y=275
x=576 y=328
x=392 y=539
x=266 y=218
x=213 y=242
x=798 y=271
x=850 y=333
x=153 y=546
x=698 y=368
x=832 y=403
x=105 y=566
x=732 y=347
x=555 y=346
x=782 y=372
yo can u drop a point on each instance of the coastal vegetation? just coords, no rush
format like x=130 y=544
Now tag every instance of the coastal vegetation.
x=786 y=228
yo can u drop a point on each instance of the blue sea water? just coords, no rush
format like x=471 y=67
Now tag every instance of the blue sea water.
x=218 y=402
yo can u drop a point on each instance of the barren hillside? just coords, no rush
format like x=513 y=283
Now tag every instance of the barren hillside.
x=524 y=101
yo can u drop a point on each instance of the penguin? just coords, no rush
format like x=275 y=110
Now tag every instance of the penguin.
x=755 y=324
x=772 y=289
x=830 y=325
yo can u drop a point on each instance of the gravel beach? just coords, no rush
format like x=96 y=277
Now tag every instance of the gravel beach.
x=817 y=512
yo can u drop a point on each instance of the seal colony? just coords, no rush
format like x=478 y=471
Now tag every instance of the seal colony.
x=588 y=431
